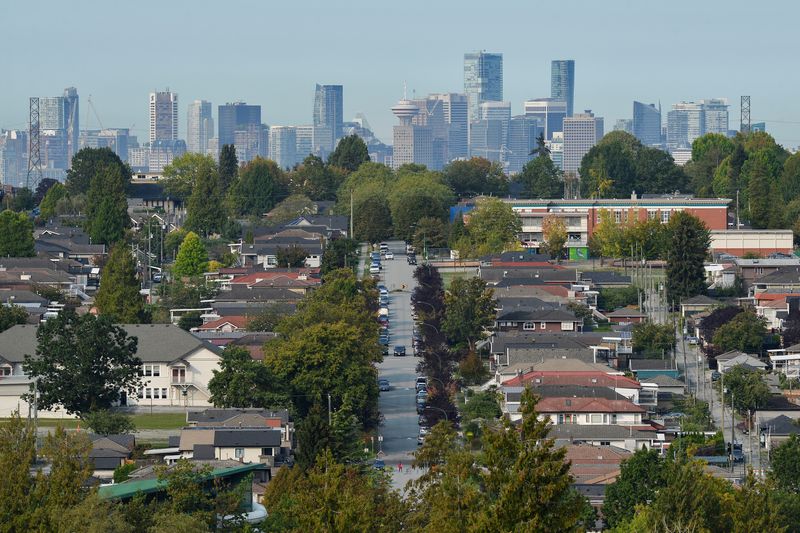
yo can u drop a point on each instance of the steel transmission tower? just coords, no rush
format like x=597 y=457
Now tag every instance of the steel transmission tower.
x=34 y=175
x=744 y=123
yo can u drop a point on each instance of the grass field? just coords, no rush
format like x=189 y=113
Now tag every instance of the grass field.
x=142 y=421
x=449 y=276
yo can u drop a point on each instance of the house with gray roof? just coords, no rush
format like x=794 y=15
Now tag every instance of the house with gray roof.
x=538 y=320
x=735 y=358
x=776 y=431
x=176 y=367
x=109 y=452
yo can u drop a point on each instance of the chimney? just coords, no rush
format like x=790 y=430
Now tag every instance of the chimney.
x=633 y=195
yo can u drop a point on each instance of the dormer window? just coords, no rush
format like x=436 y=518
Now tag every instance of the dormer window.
x=5 y=370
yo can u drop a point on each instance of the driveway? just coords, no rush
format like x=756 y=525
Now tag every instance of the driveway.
x=400 y=429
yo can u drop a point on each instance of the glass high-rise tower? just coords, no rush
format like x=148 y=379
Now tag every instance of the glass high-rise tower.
x=328 y=104
x=562 y=82
x=647 y=123
x=483 y=80
x=199 y=126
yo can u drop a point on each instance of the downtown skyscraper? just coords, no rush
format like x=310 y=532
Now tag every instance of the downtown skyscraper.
x=581 y=133
x=647 y=123
x=483 y=80
x=328 y=111
x=199 y=126
x=233 y=117
x=163 y=116
x=562 y=82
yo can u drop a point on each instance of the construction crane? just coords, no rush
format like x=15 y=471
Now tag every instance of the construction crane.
x=94 y=111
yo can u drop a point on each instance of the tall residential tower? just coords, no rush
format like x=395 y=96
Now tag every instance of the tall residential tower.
x=163 y=116
x=199 y=126
x=581 y=133
x=328 y=105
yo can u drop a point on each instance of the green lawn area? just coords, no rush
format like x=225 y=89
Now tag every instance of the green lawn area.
x=142 y=421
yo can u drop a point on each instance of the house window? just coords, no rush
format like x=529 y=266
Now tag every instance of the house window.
x=152 y=370
x=529 y=326
x=651 y=214
x=617 y=216
x=272 y=260
x=238 y=453
x=147 y=392
x=587 y=419
x=560 y=419
x=542 y=325
x=613 y=418
x=597 y=419
x=266 y=451
x=665 y=217
x=5 y=370
x=605 y=443
x=164 y=393
x=140 y=394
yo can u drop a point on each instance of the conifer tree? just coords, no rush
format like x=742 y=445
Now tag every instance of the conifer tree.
x=119 y=295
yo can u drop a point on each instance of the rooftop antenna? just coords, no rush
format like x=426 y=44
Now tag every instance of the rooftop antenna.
x=404 y=91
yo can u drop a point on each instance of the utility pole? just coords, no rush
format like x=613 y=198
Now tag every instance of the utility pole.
x=352 y=235
x=330 y=419
x=722 y=400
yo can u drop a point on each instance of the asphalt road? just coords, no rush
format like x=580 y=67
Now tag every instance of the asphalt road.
x=698 y=382
x=400 y=429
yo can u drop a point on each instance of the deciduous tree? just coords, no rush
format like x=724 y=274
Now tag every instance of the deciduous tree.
x=475 y=176
x=745 y=388
x=744 y=332
x=83 y=363
x=640 y=478
x=16 y=235
x=469 y=309
x=785 y=465
x=183 y=174
x=49 y=203
x=540 y=178
x=292 y=256
x=88 y=162
x=192 y=259
x=492 y=227
x=242 y=381
x=554 y=232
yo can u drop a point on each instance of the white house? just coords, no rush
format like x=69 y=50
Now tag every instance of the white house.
x=176 y=367
x=786 y=360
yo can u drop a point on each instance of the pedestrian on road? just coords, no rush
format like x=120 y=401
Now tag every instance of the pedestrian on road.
x=399 y=467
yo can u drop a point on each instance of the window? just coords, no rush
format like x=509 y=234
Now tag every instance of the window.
x=542 y=325
x=272 y=260
x=651 y=214
x=238 y=453
x=5 y=370
x=665 y=217
x=140 y=394
x=147 y=392
x=617 y=216
x=164 y=393
x=613 y=418
x=266 y=451
x=597 y=419
x=528 y=326
x=605 y=443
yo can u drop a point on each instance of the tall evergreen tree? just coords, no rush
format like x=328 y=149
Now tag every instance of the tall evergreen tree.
x=16 y=235
x=260 y=184
x=118 y=295
x=540 y=178
x=228 y=166
x=350 y=153
x=641 y=475
x=688 y=245
x=107 y=205
x=313 y=437
x=205 y=210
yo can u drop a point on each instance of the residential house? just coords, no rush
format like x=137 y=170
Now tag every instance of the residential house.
x=779 y=280
x=734 y=358
x=614 y=381
x=225 y=324
x=538 y=320
x=596 y=405
x=775 y=312
x=268 y=446
x=619 y=437
x=334 y=225
x=720 y=276
x=776 y=406
x=751 y=270
x=626 y=315
x=510 y=348
x=776 y=431
x=547 y=275
x=594 y=465
x=176 y=366
x=109 y=452
x=786 y=361
x=698 y=304
x=665 y=386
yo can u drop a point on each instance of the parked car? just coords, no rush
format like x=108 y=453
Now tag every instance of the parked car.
x=715 y=375
x=420 y=439
x=157 y=277
x=384 y=339
x=374 y=270
x=384 y=385
x=693 y=340
x=379 y=464
x=400 y=351
x=389 y=256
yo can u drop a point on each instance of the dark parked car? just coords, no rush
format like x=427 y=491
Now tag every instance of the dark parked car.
x=399 y=351
x=379 y=464
x=384 y=339
x=715 y=376
x=384 y=385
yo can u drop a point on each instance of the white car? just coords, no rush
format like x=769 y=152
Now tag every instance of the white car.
x=389 y=256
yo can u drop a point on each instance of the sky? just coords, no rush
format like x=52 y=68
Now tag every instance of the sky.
x=271 y=53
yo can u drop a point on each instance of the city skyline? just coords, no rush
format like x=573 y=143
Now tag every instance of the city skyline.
x=662 y=69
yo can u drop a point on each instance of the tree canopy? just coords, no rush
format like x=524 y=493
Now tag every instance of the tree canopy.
x=205 y=212
x=469 y=309
x=118 y=295
x=16 y=235
x=349 y=154
x=475 y=176
x=688 y=245
x=417 y=195
x=83 y=363
x=228 y=166
x=192 y=259
x=745 y=332
x=107 y=206
x=87 y=163
x=540 y=178
x=491 y=227
x=260 y=186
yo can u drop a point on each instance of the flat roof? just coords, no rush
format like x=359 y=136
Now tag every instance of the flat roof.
x=128 y=489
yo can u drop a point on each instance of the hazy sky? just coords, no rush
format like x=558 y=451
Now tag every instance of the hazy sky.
x=273 y=52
